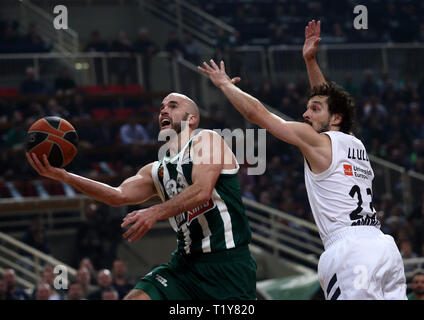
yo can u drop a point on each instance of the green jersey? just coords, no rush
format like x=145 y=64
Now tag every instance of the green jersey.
x=216 y=225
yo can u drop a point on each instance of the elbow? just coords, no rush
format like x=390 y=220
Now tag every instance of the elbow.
x=253 y=113
x=252 y=116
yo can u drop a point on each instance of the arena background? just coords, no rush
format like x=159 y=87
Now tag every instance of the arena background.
x=107 y=74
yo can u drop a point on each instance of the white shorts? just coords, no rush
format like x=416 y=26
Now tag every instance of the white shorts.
x=361 y=263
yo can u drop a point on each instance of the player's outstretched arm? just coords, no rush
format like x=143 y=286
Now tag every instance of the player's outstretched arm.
x=205 y=173
x=133 y=190
x=310 y=49
x=296 y=133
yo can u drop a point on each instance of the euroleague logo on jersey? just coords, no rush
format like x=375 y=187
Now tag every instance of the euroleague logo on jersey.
x=348 y=171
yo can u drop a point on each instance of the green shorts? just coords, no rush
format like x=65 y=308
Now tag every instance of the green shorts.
x=224 y=275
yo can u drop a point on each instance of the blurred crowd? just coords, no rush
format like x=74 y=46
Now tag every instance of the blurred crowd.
x=275 y=22
x=15 y=40
x=89 y=283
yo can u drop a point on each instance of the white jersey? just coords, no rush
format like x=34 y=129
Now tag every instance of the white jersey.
x=359 y=261
x=341 y=196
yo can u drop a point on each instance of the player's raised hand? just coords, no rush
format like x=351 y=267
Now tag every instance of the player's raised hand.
x=217 y=74
x=312 y=39
x=44 y=168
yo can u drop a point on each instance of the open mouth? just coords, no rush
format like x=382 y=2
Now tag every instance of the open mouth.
x=165 y=123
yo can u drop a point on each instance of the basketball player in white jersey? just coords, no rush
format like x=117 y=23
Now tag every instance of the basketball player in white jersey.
x=359 y=261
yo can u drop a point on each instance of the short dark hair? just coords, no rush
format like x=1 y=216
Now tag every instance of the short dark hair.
x=339 y=101
x=418 y=272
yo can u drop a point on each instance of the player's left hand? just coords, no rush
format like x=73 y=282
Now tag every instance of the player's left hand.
x=217 y=74
x=141 y=220
x=312 y=39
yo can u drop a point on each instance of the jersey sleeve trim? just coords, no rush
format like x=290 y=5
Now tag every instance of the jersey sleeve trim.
x=323 y=175
x=156 y=182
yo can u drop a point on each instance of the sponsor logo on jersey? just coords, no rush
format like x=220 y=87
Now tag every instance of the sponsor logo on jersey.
x=356 y=171
x=348 y=171
x=188 y=216
x=362 y=173
x=203 y=208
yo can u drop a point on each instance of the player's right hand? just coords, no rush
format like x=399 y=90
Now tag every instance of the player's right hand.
x=44 y=168
x=217 y=74
x=312 y=39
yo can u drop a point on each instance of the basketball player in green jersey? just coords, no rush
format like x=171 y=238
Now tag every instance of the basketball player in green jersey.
x=202 y=200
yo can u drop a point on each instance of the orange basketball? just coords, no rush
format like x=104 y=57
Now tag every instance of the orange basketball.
x=54 y=137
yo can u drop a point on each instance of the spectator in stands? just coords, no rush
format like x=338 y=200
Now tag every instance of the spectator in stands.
x=267 y=94
x=278 y=36
x=78 y=108
x=405 y=248
x=35 y=236
x=87 y=263
x=174 y=46
x=349 y=85
x=75 y=291
x=110 y=294
x=31 y=85
x=417 y=286
x=16 y=135
x=34 y=110
x=97 y=44
x=43 y=292
x=225 y=50
x=6 y=113
x=192 y=49
x=32 y=41
x=64 y=84
x=416 y=219
x=120 y=282
x=145 y=45
x=56 y=110
x=337 y=36
x=3 y=289
x=122 y=66
x=374 y=108
x=89 y=239
x=104 y=281
x=15 y=292
x=10 y=39
x=369 y=87
x=84 y=279
x=49 y=278
x=122 y=43
x=133 y=132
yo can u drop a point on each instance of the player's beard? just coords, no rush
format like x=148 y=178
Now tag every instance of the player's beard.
x=324 y=126
x=177 y=126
